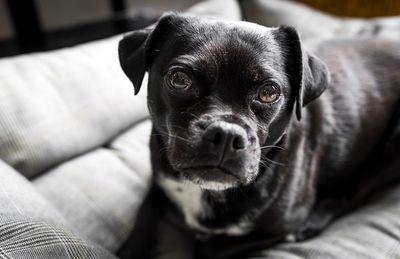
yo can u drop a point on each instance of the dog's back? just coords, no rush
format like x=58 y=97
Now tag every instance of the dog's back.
x=357 y=107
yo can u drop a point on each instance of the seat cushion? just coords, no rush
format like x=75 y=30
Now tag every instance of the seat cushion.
x=31 y=228
x=132 y=147
x=59 y=104
x=368 y=233
x=99 y=192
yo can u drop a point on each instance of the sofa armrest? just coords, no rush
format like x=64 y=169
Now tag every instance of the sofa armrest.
x=32 y=228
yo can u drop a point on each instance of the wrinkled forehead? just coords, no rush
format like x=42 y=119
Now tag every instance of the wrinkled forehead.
x=239 y=47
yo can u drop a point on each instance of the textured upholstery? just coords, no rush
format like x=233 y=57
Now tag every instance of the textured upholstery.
x=58 y=105
x=99 y=193
x=31 y=228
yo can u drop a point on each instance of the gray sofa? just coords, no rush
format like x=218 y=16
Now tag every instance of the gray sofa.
x=74 y=160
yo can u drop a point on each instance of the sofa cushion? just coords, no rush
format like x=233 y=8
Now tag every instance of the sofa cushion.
x=227 y=9
x=368 y=233
x=313 y=24
x=99 y=192
x=31 y=228
x=57 y=105
x=132 y=147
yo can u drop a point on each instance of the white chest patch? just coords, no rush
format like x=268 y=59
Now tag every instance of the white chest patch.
x=187 y=196
x=189 y=199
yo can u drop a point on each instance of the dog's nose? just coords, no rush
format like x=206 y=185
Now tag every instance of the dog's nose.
x=225 y=137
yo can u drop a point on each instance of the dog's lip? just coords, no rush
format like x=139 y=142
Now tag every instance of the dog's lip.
x=205 y=168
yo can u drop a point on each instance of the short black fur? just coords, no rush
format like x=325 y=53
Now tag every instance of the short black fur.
x=296 y=151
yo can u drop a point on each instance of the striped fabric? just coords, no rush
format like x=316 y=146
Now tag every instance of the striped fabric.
x=31 y=228
x=101 y=190
x=60 y=104
x=22 y=237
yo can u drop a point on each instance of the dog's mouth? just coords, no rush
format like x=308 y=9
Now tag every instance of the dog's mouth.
x=211 y=177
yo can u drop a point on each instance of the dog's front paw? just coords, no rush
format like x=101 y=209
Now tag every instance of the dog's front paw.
x=315 y=224
x=304 y=233
x=301 y=235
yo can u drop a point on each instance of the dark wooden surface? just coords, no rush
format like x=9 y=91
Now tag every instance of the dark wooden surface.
x=357 y=8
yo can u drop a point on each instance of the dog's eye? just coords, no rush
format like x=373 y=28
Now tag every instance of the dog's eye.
x=269 y=93
x=180 y=80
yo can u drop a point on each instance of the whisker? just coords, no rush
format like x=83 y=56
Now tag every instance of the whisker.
x=272 y=146
x=178 y=127
x=192 y=114
x=274 y=162
x=163 y=150
x=162 y=133
x=265 y=164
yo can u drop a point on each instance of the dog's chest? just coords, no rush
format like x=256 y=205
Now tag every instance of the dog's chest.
x=189 y=198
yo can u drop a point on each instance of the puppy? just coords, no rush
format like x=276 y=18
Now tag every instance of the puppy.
x=254 y=137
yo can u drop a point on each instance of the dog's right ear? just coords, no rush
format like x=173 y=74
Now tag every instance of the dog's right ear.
x=137 y=49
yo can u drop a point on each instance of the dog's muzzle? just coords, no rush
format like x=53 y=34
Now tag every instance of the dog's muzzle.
x=226 y=140
x=222 y=155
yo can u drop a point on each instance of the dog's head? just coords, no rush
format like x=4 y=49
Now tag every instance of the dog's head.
x=220 y=92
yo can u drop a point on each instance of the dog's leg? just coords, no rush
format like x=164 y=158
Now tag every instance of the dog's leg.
x=154 y=235
x=234 y=247
x=324 y=212
x=384 y=171
x=172 y=242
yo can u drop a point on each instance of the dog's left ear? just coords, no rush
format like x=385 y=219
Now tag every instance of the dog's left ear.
x=132 y=56
x=309 y=76
x=137 y=49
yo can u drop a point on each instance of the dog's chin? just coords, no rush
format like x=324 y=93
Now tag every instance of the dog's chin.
x=211 y=178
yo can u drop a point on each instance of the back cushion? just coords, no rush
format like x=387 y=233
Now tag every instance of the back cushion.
x=57 y=105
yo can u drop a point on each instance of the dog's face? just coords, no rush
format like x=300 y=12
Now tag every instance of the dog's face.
x=221 y=94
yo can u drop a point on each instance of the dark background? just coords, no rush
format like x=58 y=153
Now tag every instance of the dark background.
x=40 y=25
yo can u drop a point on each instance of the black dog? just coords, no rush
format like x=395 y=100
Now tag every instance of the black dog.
x=237 y=159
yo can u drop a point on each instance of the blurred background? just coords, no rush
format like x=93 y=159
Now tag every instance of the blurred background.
x=37 y=25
